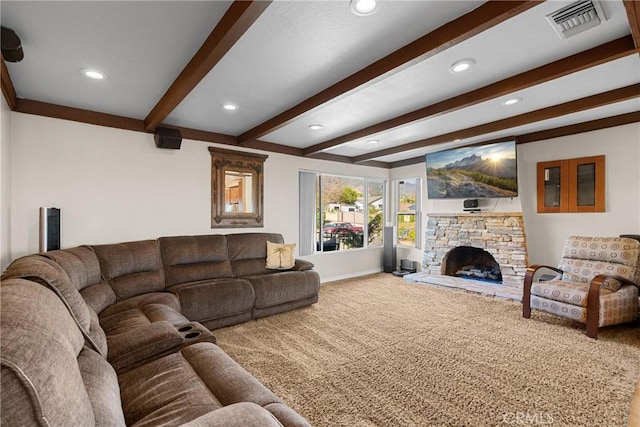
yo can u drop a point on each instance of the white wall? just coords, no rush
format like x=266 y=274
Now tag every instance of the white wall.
x=115 y=185
x=546 y=233
x=5 y=184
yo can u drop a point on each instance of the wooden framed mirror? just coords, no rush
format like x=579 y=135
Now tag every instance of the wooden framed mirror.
x=237 y=188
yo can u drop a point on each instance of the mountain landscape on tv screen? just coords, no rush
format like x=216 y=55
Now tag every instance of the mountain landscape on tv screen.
x=473 y=176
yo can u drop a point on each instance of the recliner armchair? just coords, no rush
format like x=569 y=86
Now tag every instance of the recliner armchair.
x=596 y=283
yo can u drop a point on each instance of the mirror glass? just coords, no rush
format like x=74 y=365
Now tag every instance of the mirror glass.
x=238 y=187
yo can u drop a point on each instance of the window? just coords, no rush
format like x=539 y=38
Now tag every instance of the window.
x=407 y=213
x=571 y=185
x=339 y=213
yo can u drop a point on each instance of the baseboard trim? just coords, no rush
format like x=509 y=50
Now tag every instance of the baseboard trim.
x=350 y=275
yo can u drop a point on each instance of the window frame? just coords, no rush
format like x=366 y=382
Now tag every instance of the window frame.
x=318 y=209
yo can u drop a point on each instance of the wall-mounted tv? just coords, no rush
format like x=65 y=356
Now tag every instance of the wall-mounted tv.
x=473 y=172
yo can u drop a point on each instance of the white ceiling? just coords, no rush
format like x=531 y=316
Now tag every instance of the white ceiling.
x=296 y=49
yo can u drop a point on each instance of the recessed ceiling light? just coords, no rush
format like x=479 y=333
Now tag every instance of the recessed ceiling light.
x=373 y=141
x=230 y=107
x=364 y=7
x=315 y=127
x=511 y=101
x=457 y=140
x=93 y=74
x=461 y=66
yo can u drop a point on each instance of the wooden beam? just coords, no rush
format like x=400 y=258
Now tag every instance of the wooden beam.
x=236 y=21
x=7 y=86
x=607 y=122
x=39 y=108
x=582 y=104
x=599 y=55
x=633 y=15
x=482 y=18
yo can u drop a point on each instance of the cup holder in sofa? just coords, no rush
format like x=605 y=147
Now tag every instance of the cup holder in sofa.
x=194 y=332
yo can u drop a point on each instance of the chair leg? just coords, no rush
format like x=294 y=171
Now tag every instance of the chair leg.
x=526 y=294
x=593 y=309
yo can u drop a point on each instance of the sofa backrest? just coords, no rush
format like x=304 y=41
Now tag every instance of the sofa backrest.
x=193 y=258
x=50 y=274
x=37 y=333
x=585 y=257
x=131 y=268
x=248 y=252
x=83 y=268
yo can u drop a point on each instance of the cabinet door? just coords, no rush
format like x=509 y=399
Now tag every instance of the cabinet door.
x=553 y=178
x=586 y=184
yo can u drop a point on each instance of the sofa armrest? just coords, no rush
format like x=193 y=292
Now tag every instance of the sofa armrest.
x=132 y=348
x=301 y=265
x=243 y=414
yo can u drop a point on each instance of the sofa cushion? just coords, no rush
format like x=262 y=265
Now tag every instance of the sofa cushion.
x=51 y=275
x=131 y=268
x=283 y=287
x=244 y=414
x=209 y=380
x=83 y=268
x=248 y=252
x=41 y=379
x=140 y=311
x=213 y=299
x=101 y=383
x=194 y=258
x=585 y=257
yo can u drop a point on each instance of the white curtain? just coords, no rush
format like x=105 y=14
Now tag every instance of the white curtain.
x=307 y=213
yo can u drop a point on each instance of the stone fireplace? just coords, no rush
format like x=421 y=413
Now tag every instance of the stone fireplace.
x=480 y=241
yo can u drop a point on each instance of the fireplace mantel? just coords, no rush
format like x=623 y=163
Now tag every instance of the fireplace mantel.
x=499 y=233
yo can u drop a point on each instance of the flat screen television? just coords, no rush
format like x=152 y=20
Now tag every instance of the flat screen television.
x=484 y=171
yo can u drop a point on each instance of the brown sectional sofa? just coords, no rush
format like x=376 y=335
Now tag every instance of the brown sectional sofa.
x=111 y=334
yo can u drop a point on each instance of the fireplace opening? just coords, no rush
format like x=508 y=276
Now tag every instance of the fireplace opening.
x=471 y=263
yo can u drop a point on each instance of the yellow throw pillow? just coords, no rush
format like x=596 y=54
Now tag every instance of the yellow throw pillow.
x=280 y=256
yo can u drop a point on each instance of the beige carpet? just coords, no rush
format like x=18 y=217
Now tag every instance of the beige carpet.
x=378 y=351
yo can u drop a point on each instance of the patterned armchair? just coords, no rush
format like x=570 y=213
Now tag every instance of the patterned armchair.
x=596 y=283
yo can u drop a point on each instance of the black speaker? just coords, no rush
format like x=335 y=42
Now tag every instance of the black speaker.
x=471 y=203
x=49 y=229
x=389 y=249
x=167 y=138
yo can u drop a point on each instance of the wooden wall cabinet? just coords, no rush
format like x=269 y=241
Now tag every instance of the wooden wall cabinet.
x=571 y=185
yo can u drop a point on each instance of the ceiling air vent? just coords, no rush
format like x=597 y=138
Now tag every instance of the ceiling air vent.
x=576 y=18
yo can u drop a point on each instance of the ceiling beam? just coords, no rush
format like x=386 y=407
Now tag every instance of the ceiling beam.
x=607 y=122
x=599 y=55
x=38 y=108
x=7 y=86
x=236 y=21
x=582 y=104
x=633 y=15
x=480 y=19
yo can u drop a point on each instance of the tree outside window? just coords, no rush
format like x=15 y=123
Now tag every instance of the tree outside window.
x=407 y=199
